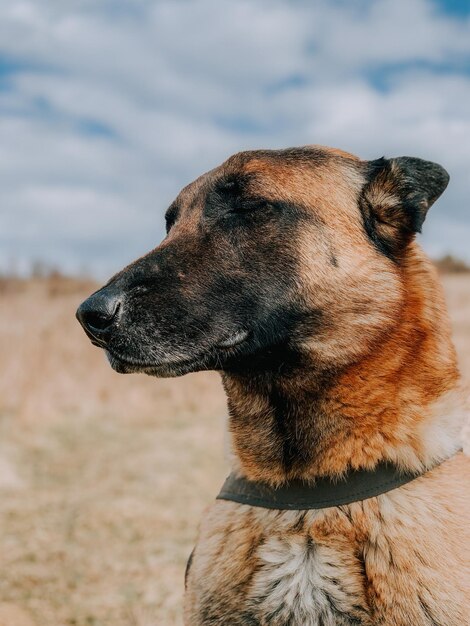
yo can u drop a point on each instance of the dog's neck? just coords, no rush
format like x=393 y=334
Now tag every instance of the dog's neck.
x=398 y=403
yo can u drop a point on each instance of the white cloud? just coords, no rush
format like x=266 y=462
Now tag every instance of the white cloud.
x=181 y=84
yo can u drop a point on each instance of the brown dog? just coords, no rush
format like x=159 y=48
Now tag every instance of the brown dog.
x=296 y=274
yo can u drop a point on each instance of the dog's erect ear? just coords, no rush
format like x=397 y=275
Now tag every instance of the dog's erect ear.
x=396 y=197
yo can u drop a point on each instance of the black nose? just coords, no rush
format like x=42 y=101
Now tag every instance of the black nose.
x=97 y=315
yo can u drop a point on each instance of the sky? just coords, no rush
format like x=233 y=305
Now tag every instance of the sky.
x=109 y=107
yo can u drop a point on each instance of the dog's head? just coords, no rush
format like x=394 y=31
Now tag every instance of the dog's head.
x=272 y=257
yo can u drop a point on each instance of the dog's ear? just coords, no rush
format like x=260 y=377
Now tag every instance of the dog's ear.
x=396 y=197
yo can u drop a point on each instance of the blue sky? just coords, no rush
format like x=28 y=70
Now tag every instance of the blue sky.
x=107 y=108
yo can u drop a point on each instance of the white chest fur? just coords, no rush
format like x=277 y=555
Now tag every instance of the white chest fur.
x=302 y=583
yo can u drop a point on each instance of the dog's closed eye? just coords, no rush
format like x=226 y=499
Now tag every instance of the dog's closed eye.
x=249 y=205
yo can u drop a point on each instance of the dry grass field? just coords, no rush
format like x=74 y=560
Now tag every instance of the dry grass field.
x=103 y=478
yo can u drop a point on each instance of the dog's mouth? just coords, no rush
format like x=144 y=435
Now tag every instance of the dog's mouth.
x=212 y=357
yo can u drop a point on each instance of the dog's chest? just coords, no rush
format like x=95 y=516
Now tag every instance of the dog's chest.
x=301 y=582
x=277 y=578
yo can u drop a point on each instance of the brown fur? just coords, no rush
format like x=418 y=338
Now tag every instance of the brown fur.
x=382 y=400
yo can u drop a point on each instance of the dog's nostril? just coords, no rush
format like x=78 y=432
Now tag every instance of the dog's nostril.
x=100 y=321
x=98 y=313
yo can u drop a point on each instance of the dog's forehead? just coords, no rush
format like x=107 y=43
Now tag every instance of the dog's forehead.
x=288 y=171
x=304 y=175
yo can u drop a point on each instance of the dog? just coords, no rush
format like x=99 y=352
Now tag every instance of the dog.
x=296 y=274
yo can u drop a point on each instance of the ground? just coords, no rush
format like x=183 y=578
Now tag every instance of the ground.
x=103 y=478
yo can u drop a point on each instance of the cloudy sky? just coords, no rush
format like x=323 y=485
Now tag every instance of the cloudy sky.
x=108 y=107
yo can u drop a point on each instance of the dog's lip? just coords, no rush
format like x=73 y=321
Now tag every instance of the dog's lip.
x=230 y=341
x=137 y=365
x=234 y=339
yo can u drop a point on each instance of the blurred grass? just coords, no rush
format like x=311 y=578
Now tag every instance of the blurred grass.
x=103 y=478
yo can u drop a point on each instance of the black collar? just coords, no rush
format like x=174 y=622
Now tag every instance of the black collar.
x=325 y=492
